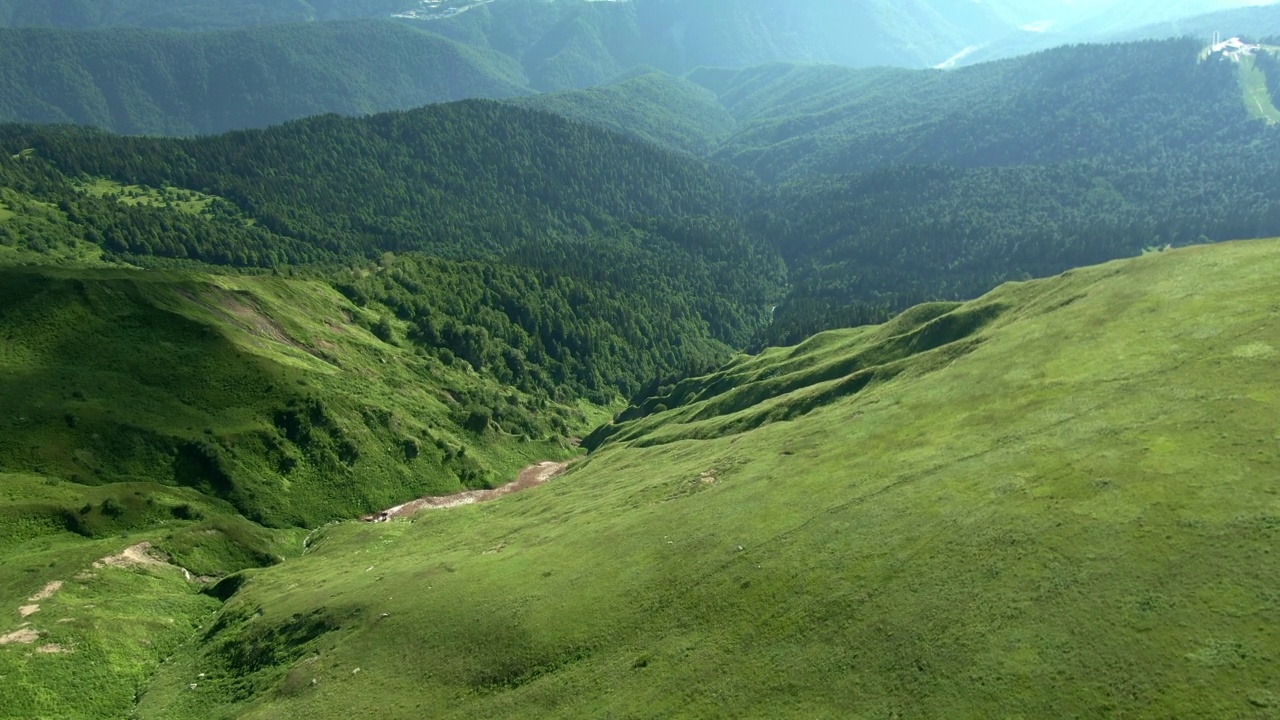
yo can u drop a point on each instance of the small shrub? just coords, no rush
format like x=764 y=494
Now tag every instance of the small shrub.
x=186 y=512
x=112 y=508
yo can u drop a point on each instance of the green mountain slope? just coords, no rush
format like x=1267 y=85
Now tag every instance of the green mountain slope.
x=187 y=14
x=171 y=83
x=1056 y=500
x=273 y=395
x=549 y=255
x=191 y=412
x=1087 y=101
x=648 y=104
x=575 y=43
x=904 y=186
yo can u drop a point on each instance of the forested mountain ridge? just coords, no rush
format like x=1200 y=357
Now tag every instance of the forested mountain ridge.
x=649 y=104
x=1256 y=22
x=1068 y=157
x=1040 y=26
x=172 y=83
x=109 y=73
x=888 y=187
x=187 y=14
x=669 y=34
x=882 y=187
x=1056 y=106
x=571 y=44
x=649 y=245
x=90 y=63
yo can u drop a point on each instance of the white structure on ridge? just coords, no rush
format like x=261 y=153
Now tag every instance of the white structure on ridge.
x=1233 y=49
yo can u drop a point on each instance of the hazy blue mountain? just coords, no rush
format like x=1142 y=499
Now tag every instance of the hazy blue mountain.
x=168 y=82
x=187 y=14
x=574 y=43
x=1057 y=106
x=1042 y=25
x=1263 y=21
x=648 y=104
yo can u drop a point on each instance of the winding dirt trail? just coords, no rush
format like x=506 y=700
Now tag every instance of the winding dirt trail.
x=532 y=476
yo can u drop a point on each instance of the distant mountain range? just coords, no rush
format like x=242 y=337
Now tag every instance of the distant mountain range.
x=175 y=83
x=181 y=68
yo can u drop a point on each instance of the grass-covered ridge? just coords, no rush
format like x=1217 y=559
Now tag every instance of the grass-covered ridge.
x=1060 y=502
x=274 y=395
x=554 y=243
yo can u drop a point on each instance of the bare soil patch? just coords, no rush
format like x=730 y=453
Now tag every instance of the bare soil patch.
x=144 y=555
x=27 y=611
x=132 y=556
x=23 y=636
x=52 y=649
x=531 y=476
x=241 y=310
x=46 y=593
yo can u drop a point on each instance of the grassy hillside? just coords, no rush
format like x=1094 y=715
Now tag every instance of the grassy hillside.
x=549 y=255
x=1256 y=84
x=273 y=395
x=177 y=83
x=1055 y=500
x=165 y=430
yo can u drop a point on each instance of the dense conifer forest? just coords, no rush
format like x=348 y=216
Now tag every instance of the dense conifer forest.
x=593 y=245
x=877 y=188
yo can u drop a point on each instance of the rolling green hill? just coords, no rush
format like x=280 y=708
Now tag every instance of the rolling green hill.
x=174 y=83
x=880 y=188
x=192 y=412
x=549 y=255
x=257 y=391
x=1056 y=500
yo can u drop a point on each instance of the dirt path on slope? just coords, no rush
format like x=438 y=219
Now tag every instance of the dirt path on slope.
x=532 y=476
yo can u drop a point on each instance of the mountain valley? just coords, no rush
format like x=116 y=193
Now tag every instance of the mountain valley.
x=638 y=359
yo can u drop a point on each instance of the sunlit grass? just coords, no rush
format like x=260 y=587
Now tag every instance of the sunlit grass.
x=1056 y=501
x=188 y=201
x=1253 y=82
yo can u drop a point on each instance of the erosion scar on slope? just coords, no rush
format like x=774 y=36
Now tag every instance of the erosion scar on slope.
x=531 y=476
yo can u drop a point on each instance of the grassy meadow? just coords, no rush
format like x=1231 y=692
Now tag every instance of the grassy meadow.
x=1059 y=500
x=1257 y=97
x=188 y=201
x=216 y=418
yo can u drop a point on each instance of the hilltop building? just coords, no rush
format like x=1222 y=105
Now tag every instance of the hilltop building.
x=1232 y=49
